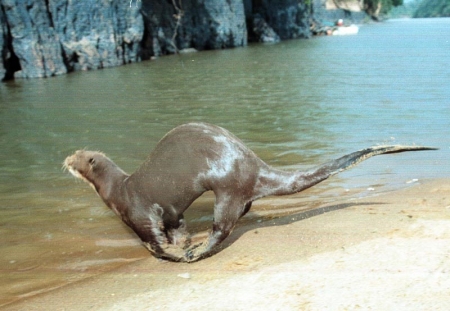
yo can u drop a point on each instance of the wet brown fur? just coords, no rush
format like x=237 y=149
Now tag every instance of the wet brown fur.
x=189 y=160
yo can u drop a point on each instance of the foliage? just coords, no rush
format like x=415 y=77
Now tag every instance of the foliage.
x=386 y=5
x=405 y=10
x=433 y=8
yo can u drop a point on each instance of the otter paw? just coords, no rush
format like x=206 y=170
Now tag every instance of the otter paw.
x=189 y=255
x=194 y=253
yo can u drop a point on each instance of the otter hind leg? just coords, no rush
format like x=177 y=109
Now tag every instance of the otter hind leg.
x=227 y=212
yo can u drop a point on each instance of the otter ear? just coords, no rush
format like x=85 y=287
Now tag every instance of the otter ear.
x=92 y=161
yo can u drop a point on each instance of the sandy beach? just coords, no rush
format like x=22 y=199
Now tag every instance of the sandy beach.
x=384 y=252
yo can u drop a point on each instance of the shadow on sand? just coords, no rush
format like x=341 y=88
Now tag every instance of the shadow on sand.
x=285 y=220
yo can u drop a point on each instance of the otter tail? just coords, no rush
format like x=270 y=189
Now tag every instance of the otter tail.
x=303 y=180
x=348 y=161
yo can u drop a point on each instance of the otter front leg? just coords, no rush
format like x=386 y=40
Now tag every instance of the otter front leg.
x=154 y=237
x=158 y=244
x=226 y=214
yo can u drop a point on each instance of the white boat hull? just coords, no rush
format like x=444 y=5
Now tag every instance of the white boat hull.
x=346 y=30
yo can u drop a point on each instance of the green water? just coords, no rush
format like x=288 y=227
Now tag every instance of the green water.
x=296 y=104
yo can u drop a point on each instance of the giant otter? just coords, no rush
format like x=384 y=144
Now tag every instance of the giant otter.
x=189 y=160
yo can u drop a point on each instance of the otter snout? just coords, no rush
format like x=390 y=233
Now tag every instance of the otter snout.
x=80 y=165
x=68 y=162
x=83 y=162
x=77 y=164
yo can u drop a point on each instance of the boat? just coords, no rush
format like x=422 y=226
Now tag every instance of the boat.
x=345 y=30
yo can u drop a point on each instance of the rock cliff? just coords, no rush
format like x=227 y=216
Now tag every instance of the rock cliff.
x=34 y=41
x=42 y=38
x=173 y=25
x=332 y=10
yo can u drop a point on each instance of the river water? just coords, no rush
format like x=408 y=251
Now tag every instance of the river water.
x=296 y=104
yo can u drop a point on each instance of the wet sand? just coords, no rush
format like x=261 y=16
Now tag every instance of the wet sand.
x=387 y=251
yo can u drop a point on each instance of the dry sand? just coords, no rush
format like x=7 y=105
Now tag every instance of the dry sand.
x=390 y=251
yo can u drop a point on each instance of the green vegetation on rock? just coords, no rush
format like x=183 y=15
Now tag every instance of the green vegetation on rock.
x=406 y=10
x=433 y=8
x=376 y=8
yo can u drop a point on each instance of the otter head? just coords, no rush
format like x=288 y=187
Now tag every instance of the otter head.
x=88 y=165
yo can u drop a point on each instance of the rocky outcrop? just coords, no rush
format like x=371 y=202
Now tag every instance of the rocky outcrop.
x=181 y=24
x=261 y=30
x=47 y=38
x=42 y=38
x=97 y=34
x=332 y=10
x=33 y=39
x=372 y=8
x=199 y=24
x=273 y=19
x=288 y=18
x=4 y=51
x=347 y=5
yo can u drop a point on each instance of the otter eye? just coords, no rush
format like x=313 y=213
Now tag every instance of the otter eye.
x=91 y=161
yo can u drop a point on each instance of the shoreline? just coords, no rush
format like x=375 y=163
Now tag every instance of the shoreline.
x=378 y=252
